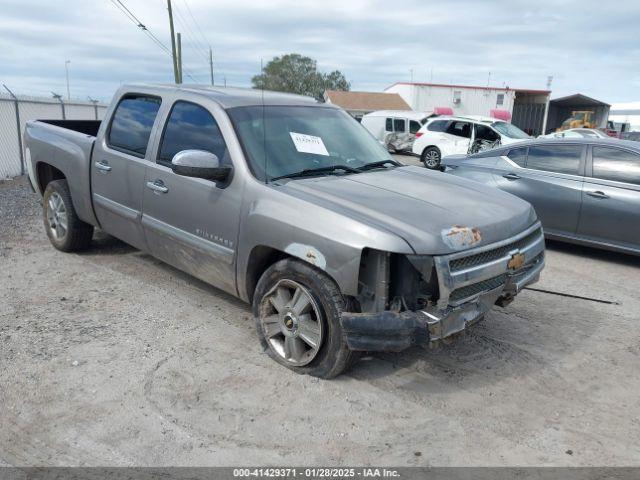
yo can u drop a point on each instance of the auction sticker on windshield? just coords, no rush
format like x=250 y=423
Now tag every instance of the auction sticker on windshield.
x=309 y=144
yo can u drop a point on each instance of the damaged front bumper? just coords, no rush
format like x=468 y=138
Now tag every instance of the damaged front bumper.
x=471 y=283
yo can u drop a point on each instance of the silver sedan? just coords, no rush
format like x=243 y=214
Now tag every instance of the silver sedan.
x=584 y=190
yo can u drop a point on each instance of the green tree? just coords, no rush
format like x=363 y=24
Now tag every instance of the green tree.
x=294 y=73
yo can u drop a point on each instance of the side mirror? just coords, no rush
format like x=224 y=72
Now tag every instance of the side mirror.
x=199 y=164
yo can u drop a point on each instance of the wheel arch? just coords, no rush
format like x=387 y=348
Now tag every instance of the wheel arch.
x=46 y=173
x=262 y=257
x=431 y=146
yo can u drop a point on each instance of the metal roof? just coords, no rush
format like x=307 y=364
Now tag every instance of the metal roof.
x=577 y=100
x=472 y=87
x=366 y=100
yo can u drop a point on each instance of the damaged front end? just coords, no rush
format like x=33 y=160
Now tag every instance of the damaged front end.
x=406 y=300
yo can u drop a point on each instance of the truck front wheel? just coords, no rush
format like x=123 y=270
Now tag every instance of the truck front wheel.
x=65 y=230
x=297 y=311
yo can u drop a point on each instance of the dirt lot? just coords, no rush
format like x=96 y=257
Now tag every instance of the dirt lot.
x=113 y=358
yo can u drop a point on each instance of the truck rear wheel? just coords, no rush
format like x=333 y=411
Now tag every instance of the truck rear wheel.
x=297 y=311
x=65 y=230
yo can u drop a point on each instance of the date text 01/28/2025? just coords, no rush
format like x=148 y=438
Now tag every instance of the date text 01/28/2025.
x=316 y=472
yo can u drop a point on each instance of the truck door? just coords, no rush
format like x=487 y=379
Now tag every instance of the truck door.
x=192 y=223
x=118 y=169
x=611 y=197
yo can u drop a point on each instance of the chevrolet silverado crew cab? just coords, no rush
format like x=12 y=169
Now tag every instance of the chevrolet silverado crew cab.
x=290 y=205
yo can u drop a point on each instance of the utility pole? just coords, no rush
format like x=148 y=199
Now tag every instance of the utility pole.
x=179 y=57
x=66 y=69
x=176 y=74
x=211 y=64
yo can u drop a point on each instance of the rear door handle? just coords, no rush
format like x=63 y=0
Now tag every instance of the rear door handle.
x=598 y=194
x=512 y=176
x=157 y=186
x=103 y=166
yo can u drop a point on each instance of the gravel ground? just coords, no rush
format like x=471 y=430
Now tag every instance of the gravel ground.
x=111 y=357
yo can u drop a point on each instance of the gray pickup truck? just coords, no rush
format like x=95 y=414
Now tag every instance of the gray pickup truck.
x=290 y=205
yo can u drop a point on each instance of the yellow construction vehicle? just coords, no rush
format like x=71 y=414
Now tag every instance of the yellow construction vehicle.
x=579 y=119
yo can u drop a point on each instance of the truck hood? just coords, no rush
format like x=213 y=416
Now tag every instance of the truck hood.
x=435 y=213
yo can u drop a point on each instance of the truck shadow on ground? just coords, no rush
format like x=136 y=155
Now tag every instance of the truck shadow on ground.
x=507 y=343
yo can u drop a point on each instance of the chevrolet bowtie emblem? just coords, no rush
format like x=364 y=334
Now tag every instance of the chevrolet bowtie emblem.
x=516 y=261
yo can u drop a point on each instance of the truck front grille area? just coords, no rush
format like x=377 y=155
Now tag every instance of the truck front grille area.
x=477 y=288
x=490 y=255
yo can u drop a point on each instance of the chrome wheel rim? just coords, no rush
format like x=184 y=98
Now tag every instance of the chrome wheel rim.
x=291 y=322
x=431 y=158
x=57 y=216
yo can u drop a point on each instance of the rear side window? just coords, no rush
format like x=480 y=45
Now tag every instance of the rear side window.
x=518 y=156
x=438 y=126
x=191 y=127
x=388 y=125
x=460 y=129
x=132 y=123
x=555 y=158
x=485 y=133
x=399 y=125
x=617 y=165
x=414 y=126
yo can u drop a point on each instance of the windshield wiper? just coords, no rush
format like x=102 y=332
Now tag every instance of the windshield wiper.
x=317 y=171
x=381 y=163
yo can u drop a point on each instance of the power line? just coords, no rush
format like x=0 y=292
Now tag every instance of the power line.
x=206 y=43
x=195 y=43
x=136 y=21
x=204 y=37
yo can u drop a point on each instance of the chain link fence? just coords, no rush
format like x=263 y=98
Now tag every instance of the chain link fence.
x=17 y=110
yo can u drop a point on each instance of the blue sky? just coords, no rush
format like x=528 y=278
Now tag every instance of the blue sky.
x=587 y=46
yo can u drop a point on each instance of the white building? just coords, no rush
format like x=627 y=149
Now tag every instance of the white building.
x=525 y=108
x=626 y=113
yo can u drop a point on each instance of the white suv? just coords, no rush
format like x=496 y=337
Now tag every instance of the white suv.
x=442 y=136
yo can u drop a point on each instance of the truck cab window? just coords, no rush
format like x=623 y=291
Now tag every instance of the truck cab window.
x=191 y=127
x=132 y=123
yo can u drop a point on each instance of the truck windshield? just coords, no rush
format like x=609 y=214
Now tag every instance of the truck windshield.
x=283 y=140
x=509 y=130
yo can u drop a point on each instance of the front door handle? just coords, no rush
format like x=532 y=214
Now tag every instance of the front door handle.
x=103 y=166
x=512 y=176
x=598 y=194
x=157 y=186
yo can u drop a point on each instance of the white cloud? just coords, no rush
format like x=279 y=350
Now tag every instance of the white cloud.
x=586 y=47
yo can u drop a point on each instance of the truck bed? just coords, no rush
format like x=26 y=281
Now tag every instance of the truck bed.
x=88 y=127
x=65 y=145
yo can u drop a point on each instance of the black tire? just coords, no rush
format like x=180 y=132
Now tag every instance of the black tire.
x=431 y=157
x=77 y=235
x=333 y=356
